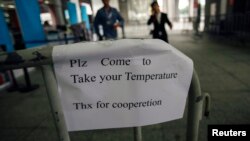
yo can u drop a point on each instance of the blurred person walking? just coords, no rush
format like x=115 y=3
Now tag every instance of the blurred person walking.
x=110 y=19
x=159 y=19
x=197 y=19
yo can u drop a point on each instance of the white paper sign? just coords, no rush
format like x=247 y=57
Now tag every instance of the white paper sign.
x=122 y=83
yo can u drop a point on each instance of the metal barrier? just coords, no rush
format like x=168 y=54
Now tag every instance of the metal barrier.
x=42 y=57
x=229 y=25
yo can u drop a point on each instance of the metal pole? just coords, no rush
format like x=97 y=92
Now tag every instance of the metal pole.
x=123 y=32
x=195 y=101
x=65 y=38
x=14 y=86
x=54 y=101
x=28 y=87
x=137 y=134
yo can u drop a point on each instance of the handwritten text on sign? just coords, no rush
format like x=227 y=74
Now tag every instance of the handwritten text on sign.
x=122 y=83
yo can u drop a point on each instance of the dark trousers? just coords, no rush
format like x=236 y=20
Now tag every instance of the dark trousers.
x=164 y=38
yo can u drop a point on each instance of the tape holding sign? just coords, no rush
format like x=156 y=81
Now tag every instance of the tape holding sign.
x=122 y=83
